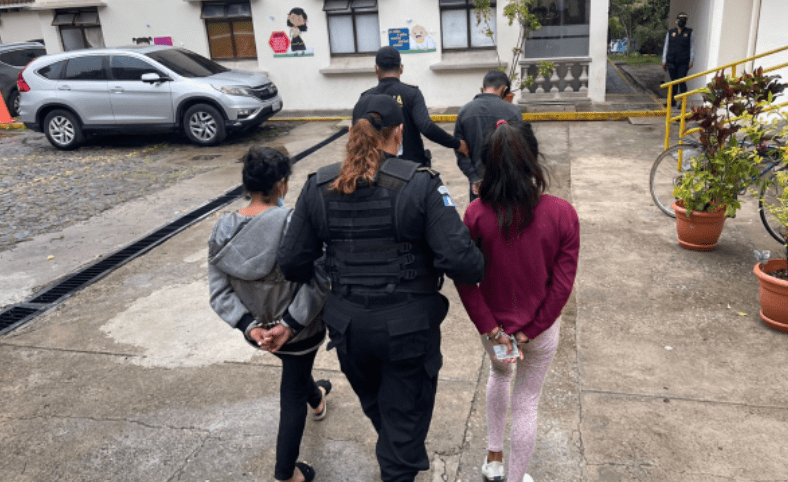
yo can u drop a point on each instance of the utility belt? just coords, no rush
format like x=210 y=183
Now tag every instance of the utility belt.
x=403 y=292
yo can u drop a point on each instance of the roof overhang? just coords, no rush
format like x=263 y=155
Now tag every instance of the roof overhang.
x=15 y=4
x=57 y=4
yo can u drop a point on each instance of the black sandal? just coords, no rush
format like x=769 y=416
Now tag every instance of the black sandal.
x=306 y=470
x=326 y=389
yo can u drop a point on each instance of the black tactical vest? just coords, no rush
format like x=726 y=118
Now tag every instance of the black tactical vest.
x=679 y=46
x=363 y=255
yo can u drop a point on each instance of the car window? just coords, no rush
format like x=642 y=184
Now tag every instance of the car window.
x=52 y=71
x=21 y=57
x=130 y=68
x=89 y=67
x=186 y=63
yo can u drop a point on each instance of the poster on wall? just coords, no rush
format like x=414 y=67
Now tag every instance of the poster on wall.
x=292 y=44
x=413 y=40
x=162 y=41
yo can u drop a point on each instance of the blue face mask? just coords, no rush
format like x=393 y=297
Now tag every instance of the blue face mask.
x=281 y=202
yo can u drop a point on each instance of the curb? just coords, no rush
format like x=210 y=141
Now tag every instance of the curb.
x=12 y=126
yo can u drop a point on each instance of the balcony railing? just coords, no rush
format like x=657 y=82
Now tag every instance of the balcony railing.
x=568 y=82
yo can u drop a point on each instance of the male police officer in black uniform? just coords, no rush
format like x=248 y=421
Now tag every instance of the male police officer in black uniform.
x=388 y=67
x=388 y=244
x=678 y=55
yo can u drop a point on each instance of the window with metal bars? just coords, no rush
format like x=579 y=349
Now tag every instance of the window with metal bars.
x=353 y=26
x=458 y=26
x=230 y=30
x=79 y=29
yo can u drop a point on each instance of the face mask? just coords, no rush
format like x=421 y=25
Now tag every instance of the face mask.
x=281 y=202
x=682 y=23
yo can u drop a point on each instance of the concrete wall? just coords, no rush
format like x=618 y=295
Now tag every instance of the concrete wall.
x=323 y=82
x=773 y=33
x=19 y=26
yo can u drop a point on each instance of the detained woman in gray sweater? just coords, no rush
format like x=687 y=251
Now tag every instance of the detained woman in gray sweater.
x=249 y=292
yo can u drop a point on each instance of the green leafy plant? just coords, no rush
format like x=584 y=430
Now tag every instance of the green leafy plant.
x=778 y=207
x=731 y=136
x=516 y=11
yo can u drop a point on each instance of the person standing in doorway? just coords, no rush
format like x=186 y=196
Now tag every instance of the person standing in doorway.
x=417 y=121
x=678 y=55
x=478 y=117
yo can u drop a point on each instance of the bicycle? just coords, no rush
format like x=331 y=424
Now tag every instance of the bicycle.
x=666 y=175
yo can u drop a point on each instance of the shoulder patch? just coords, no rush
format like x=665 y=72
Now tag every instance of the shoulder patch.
x=432 y=171
x=443 y=190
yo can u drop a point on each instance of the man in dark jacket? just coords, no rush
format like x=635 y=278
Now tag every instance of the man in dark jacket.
x=388 y=67
x=678 y=55
x=479 y=116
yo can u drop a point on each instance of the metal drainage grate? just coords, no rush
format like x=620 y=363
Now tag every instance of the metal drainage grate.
x=17 y=315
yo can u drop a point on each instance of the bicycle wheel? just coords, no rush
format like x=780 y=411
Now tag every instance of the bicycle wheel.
x=665 y=174
x=769 y=195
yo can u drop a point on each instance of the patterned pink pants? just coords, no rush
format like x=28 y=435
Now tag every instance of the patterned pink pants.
x=528 y=380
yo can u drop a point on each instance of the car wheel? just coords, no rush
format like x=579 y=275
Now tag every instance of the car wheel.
x=204 y=125
x=63 y=129
x=13 y=103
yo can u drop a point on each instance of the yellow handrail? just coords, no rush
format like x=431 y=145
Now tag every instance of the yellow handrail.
x=681 y=118
x=732 y=64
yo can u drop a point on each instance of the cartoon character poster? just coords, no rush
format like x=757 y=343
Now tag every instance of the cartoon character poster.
x=414 y=40
x=420 y=40
x=297 y=21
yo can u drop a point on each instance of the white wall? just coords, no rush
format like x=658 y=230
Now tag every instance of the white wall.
x=597 y=75
x=19 y=26
x=299 y=79
x=773 y=34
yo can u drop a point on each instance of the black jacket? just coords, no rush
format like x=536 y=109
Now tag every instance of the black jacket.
x=474 y=120
x=425 y=213
x=417 y=120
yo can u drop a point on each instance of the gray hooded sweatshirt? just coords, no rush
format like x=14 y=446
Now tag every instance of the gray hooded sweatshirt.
x=244 y=277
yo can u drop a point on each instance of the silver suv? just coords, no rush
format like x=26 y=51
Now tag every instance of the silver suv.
x=140 y=89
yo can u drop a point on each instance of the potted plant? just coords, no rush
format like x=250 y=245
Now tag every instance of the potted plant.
x=773 y=273
x=727 y=165
x=516 y=11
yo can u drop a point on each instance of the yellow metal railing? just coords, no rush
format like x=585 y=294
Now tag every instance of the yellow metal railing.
x=682 y=117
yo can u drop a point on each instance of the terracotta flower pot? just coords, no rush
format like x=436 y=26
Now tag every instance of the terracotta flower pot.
x=700 y=231
x=773 y=294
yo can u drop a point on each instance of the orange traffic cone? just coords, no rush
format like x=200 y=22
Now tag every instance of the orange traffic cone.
x=5 y=117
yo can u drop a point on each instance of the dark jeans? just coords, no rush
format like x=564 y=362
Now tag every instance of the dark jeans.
x=678 y=71
x=297 y=388
x=391 y=357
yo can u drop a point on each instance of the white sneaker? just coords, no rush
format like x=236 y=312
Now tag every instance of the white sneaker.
x=493 y=471
x=527 y=478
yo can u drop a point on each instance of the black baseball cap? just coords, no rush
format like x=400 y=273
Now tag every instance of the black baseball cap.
x=383 y=105
x=388 y=58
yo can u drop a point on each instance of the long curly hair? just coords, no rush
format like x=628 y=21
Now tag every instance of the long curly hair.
x=363 y=155
x=513 y=179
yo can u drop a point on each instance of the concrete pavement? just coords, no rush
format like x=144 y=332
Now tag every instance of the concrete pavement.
x=664 y=371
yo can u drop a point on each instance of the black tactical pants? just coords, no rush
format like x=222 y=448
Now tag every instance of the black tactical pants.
x=678 y=71
x=391 y=357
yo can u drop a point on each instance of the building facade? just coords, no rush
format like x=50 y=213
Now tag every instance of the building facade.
x=320 y=53
x=732 y=30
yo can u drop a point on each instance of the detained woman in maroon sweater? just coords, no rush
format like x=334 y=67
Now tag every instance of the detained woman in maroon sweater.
x=530 y=242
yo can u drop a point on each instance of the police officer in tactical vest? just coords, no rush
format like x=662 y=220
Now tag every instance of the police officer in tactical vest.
x=390 y=231
x=678 y=55
x=416 y=117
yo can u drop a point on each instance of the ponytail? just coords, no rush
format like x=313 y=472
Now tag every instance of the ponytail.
x=363 y=155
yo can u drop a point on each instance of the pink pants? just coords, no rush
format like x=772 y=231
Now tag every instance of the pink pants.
x=528 y=381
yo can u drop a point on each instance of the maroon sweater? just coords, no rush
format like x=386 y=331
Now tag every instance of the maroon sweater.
x=527 y=279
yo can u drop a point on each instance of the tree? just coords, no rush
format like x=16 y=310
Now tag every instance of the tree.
x=516 y=11
x=624 y=13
